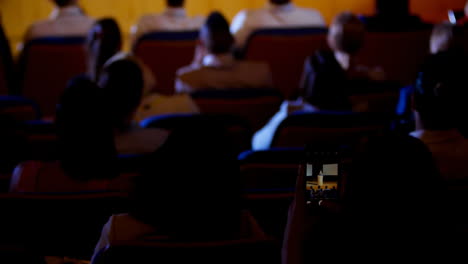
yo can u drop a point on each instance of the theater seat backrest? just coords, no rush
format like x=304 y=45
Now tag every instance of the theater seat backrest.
x=19 y=108
x=399 y=54
x=285 y=50
x=300 y=129
x=238 y=130
x=164 y=53
x=46 y=65
x=256 y=106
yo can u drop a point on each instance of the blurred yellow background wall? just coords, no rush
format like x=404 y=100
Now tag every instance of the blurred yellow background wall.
x=18 y=14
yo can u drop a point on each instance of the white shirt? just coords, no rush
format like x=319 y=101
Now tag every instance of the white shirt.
x=450 y=151
x=172 y=19
x=223 y=72
x=273 y=16
x=67 y=21
x=263 y=138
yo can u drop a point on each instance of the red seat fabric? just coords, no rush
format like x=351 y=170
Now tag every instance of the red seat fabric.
x=164 y=53
x=46 y=67
x=285 y=50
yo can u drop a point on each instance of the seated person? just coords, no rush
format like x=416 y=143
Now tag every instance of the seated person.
x=66 y=20
x=463 y=21
x=393 y=16
x=329 y=77
x=277 y=14
x=181 y=196
x=174 y=18
x=104 y=40
x=152 y=103
x=6 y=64
x=445 y=38
x=214 y=66
x=122 y=82
x=438 y=101
x=387 y=206
x=87 y=156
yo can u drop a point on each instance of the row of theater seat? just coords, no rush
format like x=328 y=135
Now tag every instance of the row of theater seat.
x=47 y=64
x=70 y=224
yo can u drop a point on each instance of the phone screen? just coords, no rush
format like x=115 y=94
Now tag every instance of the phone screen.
x=322 y=175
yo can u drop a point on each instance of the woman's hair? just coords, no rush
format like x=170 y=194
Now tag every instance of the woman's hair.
x=346 y=33
x=123 y=84
x=104 y=40
x=191 y=187
x=85 y=137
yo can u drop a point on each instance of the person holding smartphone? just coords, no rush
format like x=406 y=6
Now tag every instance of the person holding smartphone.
x=387 y=208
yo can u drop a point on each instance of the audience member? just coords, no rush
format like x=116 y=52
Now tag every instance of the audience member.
x=87 y=156
x=66 y=20
x=190 y=192
x=393 y=16
x=446 y=36
x=277 y=13
x=447 y=39
x=6 y=62
x=103 y=42
x=438 y=102
x=122 y=81
x=174 y=18
x=214 y=66
x=329 y=77
x=464 y=20
x=153 y=103
x=391 y=202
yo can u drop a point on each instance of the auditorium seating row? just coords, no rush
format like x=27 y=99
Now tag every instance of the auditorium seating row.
x=70 y=224
x=47 y=64
x=59 y=224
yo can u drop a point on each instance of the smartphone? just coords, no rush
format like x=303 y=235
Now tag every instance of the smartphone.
x=323 y=173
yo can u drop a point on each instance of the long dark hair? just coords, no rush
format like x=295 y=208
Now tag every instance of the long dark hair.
x=85 y=137
x=104 y=41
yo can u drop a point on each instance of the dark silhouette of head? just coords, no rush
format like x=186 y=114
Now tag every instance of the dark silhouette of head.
x=346 y=33
x=122 y=82
x=393 y=8
x=104 y=40
x=215 y=35
x=280 y=2
x=175 y=3
x=191 y=186
x=440 y=91
x=65 y=3
x=85 y=137
x=389 y=194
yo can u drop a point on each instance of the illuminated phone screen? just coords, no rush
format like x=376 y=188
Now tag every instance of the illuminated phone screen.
x=322 y=175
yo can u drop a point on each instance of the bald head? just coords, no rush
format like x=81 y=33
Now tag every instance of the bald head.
x=215 y=34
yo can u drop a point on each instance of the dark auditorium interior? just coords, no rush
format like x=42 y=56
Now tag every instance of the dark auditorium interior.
x=233 y=132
